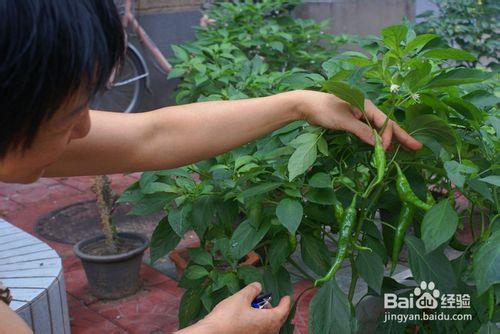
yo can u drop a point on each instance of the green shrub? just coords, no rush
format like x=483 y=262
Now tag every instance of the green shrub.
x=286 y=188
x=471 y=25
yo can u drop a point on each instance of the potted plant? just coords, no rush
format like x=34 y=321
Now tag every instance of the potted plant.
x=112 y=260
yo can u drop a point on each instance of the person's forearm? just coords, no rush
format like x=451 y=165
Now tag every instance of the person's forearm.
x=173 y=136
x=10 y=322
x=201 y=327
x=185 y=134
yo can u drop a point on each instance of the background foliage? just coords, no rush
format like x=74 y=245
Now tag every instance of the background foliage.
x=471 y=25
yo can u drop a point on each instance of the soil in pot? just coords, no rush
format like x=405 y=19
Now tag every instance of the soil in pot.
x=100 y=247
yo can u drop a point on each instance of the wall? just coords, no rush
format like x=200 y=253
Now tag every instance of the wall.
x=358 y=16
x=148 y=6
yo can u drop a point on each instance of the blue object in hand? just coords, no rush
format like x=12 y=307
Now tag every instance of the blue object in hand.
x=262 y=300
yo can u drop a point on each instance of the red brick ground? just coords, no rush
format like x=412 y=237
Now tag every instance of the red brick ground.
x=151 y=310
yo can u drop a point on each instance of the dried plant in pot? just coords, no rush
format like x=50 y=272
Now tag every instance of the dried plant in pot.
x=113 y=259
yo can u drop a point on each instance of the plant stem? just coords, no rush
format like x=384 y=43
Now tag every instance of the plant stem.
x=302 y=271
x=354 y=279
x=471 y=225
x=103 y=195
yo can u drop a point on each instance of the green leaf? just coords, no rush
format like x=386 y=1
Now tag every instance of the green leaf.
x=180 y=53
x=157 y=187
x=279 y=284
x=202 y=215
x=346 y=92
x=439 y=225
x=229 y=280
x=278 y=46
x=258 y=190
x=190 y=307
x=303 y=158
x=163 y=240
x=315 y=254
x=486 y=263
x=289 y=213
x=279 y=251
x=431 y=126
x=324 y=196
x=433 y=266
x=194 y=272
x=457 y=172
x=371 y=268
x=176 y=73
x=320 y=180
x=249 y=274
x=394 y=35
x=330 y=312
x=419 y=42
x=449 y=53
x=246 y=237
x=459 y=76
x=147 y=178
x=179 y=219
x=200 y=256
x=298 y=81
x=492 y=179
x=323 y=146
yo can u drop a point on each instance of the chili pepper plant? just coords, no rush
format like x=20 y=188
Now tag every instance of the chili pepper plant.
x=309 y=200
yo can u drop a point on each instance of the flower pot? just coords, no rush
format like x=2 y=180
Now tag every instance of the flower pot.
x=112 y=276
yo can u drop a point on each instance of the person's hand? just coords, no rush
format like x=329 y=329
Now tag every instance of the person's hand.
x=329 y=111
x=205 y=21
x=236 y=315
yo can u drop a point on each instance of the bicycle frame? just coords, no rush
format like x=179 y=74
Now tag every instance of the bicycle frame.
x=129 y=19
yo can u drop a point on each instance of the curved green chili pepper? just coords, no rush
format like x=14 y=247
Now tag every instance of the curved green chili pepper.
x=405 y=192
x=348 y=222
x=404 y=222
x=491 y=303
x=379 y=161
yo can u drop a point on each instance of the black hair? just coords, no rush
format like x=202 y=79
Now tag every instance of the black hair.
x=49 y=51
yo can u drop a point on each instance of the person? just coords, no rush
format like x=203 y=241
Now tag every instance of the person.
x=56 y=54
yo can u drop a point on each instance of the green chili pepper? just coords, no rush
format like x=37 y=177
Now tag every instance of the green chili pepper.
x=491 y=303
x=405 y=192
x=379 y=161
x=404 y=222
x=348 y=222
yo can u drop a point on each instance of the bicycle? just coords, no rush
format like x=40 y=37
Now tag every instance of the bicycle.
x=132 y=78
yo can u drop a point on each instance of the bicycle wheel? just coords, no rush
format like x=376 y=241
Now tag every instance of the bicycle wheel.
x=126 y=90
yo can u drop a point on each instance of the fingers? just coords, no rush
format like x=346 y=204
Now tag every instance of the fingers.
x=250 y=291
x=283 y=307
x=405 y=139
x=378 y=118
x=387 y=135
x=278 y=315
x=360 y=130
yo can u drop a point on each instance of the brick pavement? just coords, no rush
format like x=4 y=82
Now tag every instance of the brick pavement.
x=152 y=310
